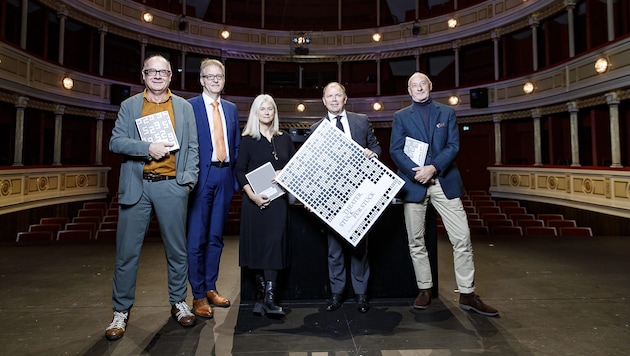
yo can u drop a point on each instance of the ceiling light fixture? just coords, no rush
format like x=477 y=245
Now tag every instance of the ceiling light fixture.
x=147 y=17
x=528 y=88
x=67 y=83
x=601 y=65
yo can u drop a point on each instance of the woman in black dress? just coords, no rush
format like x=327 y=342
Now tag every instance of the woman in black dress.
x=263 y=236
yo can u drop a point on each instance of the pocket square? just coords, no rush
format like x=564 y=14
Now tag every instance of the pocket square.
x=440 y=125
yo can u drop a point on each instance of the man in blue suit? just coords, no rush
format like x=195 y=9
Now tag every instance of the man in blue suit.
x=219 y=138
x=437 y=180
x=358 y=128
x=153 y=177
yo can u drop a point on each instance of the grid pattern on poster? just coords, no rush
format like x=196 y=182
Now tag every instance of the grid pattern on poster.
x=157 y=128
x=330 y=174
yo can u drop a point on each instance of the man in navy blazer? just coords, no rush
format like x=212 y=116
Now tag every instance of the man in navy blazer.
x=210 y=202
x=357 y=127
x=436 y=180
x=153 y=177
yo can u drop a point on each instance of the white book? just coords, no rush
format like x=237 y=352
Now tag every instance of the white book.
x=260 y=179
x=416 y=150
x=157 y=128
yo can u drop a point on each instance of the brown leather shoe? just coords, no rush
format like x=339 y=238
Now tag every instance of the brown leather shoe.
x=423 y=299
x=471 y=301
x=181 y=312
x=202 y=308
x=116 y=329
x=217 y=299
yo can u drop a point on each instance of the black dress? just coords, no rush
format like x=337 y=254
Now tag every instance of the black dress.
x=263 y=237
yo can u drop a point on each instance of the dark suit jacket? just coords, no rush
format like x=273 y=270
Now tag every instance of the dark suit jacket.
x=205 y=140
x=126 y=140
x=443 y=140
x=360 y=130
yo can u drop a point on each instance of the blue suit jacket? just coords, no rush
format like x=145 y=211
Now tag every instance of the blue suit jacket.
x=205 y=140
x=443 y=140
x=360 y=130
x=126 y=140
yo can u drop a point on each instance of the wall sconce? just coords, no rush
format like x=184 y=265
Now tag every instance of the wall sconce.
x=453 y=100
x=528 y=88
x=300 y=107
x=225 y=34
x=67 y=83
x=601 y=65
x=377 y=106
x=452 y=23
x=377 y=37
x=147 y=17
x=301 y=39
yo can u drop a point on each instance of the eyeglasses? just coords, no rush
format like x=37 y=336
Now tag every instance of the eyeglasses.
x=152 y=72
x=213 y=77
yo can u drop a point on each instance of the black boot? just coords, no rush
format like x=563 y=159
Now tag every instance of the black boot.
x=269 y=303
x=260 y=295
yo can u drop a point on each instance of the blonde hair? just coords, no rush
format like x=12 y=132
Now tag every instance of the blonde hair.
x=252 y=128
x=211 y=62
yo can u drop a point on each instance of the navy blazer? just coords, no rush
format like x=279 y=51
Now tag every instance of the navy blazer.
x=443 y=140
x=205 y=140
x=361 y=131
x=126 y=140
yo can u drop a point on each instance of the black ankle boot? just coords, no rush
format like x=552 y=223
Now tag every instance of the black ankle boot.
x=269 y=303
x=260 y=295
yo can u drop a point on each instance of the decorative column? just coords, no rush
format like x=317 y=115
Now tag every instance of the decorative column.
x=143 y=50
x=24 y=27
x=98 y=157
x=496 y=118
x=610 y=20
x=102 y=31
x=495 y=41
x=416 y=56
x=182 y=76
x=537 y=140
x=262 y=75
x=575 y=140
x=62 y=14
x=533 y=24
x=456 y=50
x=59 y=110
x=19 y=130
x=378 y=74
x=612 y=99
x=339 y=67
x=570 y=5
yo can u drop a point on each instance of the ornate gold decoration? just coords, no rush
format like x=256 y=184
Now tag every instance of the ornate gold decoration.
x=515 y=180
x=587 y=186
x=6 y=187
x=552 y=182
x=42 y=183
x=82 y=180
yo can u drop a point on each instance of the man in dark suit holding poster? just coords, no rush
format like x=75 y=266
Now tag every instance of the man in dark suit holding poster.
x=358 y=128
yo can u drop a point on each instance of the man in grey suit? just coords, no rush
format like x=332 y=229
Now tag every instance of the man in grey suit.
x=358 y=128
x=153 y=177
x=436 y=180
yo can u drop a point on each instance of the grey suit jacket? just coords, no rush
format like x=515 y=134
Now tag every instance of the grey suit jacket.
x=126 y=141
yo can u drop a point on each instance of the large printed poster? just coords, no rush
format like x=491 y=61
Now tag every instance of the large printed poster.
x=331 y=176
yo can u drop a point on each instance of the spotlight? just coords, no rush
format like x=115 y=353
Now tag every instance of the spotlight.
x=528 y=88
x=452 y=22
x=601 y=65
x=415 y=30
x=301 y=39
x=182 y=25
x=453 y=100
x=300 y=107
x=225 y=34
x=377 y=106
x=376 y=37
x=147 y=17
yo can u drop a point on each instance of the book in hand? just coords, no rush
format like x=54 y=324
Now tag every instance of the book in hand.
x=416 y=150
x=157 y=128
x=260 y=179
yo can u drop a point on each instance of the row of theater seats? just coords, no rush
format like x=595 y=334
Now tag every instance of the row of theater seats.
x=95 y=221
x=489 y=216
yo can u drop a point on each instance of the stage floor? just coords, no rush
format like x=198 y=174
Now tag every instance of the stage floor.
x=555 y=296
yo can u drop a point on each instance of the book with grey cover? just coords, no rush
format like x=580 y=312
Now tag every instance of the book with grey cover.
x=260 y=179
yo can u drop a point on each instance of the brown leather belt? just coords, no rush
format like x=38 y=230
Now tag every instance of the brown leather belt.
x=220 y=164
x=152 y=177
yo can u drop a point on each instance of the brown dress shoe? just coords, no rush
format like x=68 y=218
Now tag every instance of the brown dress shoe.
x=471 y=301
x=423 y=299
x=181 y=312
x=202 y=308
x=116 y=329
x=217 y=299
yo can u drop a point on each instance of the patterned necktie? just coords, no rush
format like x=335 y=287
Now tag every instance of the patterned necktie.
x=219 y=143
x=339 y=125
